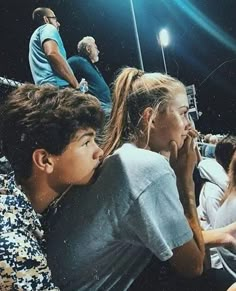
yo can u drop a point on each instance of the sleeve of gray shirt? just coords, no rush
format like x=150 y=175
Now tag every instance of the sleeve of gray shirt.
x=156 y=219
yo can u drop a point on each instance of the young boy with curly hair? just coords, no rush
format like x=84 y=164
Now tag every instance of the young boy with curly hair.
x=48 y=136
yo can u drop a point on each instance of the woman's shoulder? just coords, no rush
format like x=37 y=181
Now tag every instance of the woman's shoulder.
x=141 y=160
x=129 y=151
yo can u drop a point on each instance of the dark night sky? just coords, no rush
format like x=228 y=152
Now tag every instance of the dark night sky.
x=203 y=36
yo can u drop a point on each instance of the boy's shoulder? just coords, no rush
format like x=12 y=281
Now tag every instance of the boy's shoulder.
x=16 y=210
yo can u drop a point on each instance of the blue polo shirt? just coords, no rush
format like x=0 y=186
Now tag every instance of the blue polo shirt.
x=40 y=67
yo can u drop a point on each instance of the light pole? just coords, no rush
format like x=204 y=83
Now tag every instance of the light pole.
x=164 y=41
x=137 y=36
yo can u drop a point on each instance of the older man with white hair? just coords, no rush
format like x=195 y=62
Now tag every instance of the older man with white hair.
x=83 y=66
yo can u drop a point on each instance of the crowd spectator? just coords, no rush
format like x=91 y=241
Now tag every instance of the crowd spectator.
x=83 y=66
x=47 y=55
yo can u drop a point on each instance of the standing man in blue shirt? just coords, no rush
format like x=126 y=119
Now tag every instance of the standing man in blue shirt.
x=83 y=66
x=47 y=55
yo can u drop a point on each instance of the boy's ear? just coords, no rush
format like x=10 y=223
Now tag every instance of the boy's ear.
x=149 y=116
x=43 y=161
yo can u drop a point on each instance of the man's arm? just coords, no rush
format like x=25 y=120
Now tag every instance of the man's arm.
x=58 y=63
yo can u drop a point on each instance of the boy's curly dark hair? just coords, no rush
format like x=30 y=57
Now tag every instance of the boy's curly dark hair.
x=45 y=117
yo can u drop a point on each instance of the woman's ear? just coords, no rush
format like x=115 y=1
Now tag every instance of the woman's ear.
x=149 y=116
x=43 y=161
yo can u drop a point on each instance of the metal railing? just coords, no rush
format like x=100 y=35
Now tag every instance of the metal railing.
x=9 y=82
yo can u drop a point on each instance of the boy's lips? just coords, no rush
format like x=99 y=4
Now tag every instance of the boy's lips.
x=96 y=171
x=98 y=164
x=97 y=168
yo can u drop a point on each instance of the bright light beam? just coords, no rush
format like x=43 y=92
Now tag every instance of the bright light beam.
x=207 y=24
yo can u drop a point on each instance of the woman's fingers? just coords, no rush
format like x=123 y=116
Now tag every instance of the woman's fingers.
x=173 y=152
x=193 y=133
